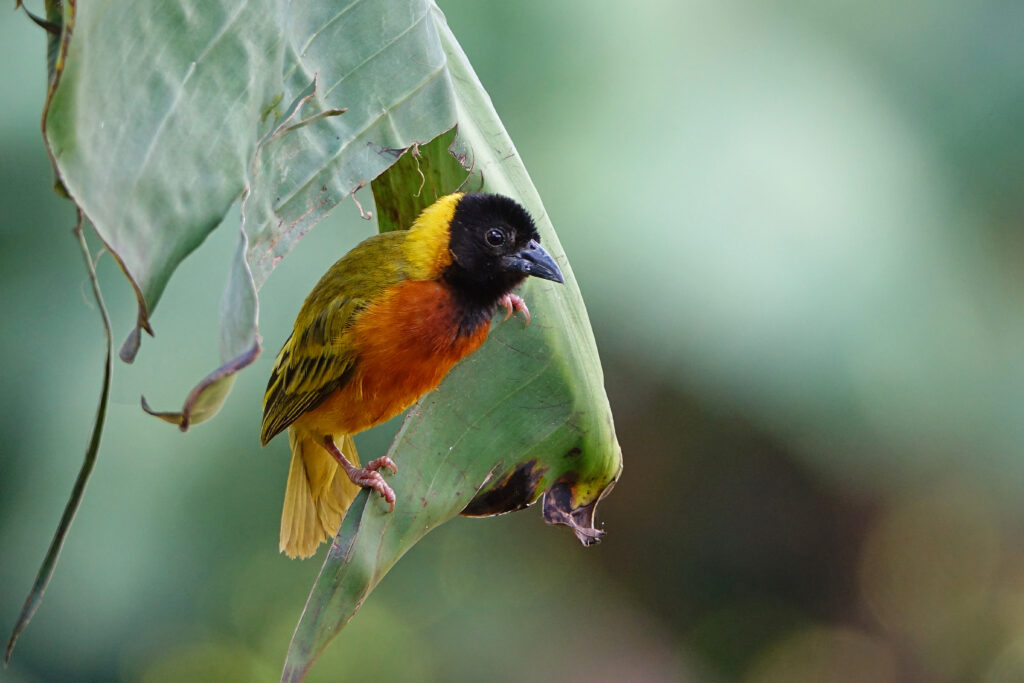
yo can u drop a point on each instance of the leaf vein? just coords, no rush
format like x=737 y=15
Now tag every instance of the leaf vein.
x=376 y=53
x=326 y=25
x=153 y=140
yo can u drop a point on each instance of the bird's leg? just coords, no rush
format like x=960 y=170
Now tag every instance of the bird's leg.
x=514 y=303
x=367 y=476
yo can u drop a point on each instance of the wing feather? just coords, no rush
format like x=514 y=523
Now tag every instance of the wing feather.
x=318 y=358
x=309 y=369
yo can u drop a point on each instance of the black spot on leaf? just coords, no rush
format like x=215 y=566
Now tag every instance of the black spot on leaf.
x=513 y=492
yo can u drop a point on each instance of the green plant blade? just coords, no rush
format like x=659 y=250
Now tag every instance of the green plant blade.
x=422 y=174
x=525 y=415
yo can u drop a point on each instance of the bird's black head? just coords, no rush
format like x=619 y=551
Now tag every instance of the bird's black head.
x=494 y=246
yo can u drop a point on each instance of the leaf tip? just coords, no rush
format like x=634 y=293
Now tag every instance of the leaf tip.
x=10 y=648
x=130 y=348
x=559 y=509
x=170 y=417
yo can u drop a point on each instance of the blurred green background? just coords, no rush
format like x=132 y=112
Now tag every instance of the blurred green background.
x=799 y=229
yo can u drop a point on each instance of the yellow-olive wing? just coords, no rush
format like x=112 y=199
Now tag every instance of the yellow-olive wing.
x=319 y=357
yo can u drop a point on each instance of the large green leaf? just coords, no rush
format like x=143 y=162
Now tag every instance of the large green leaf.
x=155 y=120
x=526 y=415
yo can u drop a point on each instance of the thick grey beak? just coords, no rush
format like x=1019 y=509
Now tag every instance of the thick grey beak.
x=533 y=260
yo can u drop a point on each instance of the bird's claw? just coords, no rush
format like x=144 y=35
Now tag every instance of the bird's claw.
x=372 y=479
x=514 y=303
x=383 y=461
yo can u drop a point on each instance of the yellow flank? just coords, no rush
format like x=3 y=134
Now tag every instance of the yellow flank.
x=426 y=246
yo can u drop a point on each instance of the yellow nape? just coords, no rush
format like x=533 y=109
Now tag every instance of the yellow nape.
x=426 y=246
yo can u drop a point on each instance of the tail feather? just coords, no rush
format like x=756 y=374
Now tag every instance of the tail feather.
x=317 y=494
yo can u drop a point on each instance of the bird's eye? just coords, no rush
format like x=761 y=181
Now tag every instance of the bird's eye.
x=495 y=237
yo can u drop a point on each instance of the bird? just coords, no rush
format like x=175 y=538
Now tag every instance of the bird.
x=381 y=328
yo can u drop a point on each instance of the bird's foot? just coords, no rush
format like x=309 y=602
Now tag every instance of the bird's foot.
x=513 y=303
x=367 y=477
x=371 y=479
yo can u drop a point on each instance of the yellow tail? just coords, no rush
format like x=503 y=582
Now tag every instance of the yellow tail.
x=317 y=495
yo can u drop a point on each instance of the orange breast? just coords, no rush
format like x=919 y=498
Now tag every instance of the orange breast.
x=406 y=343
